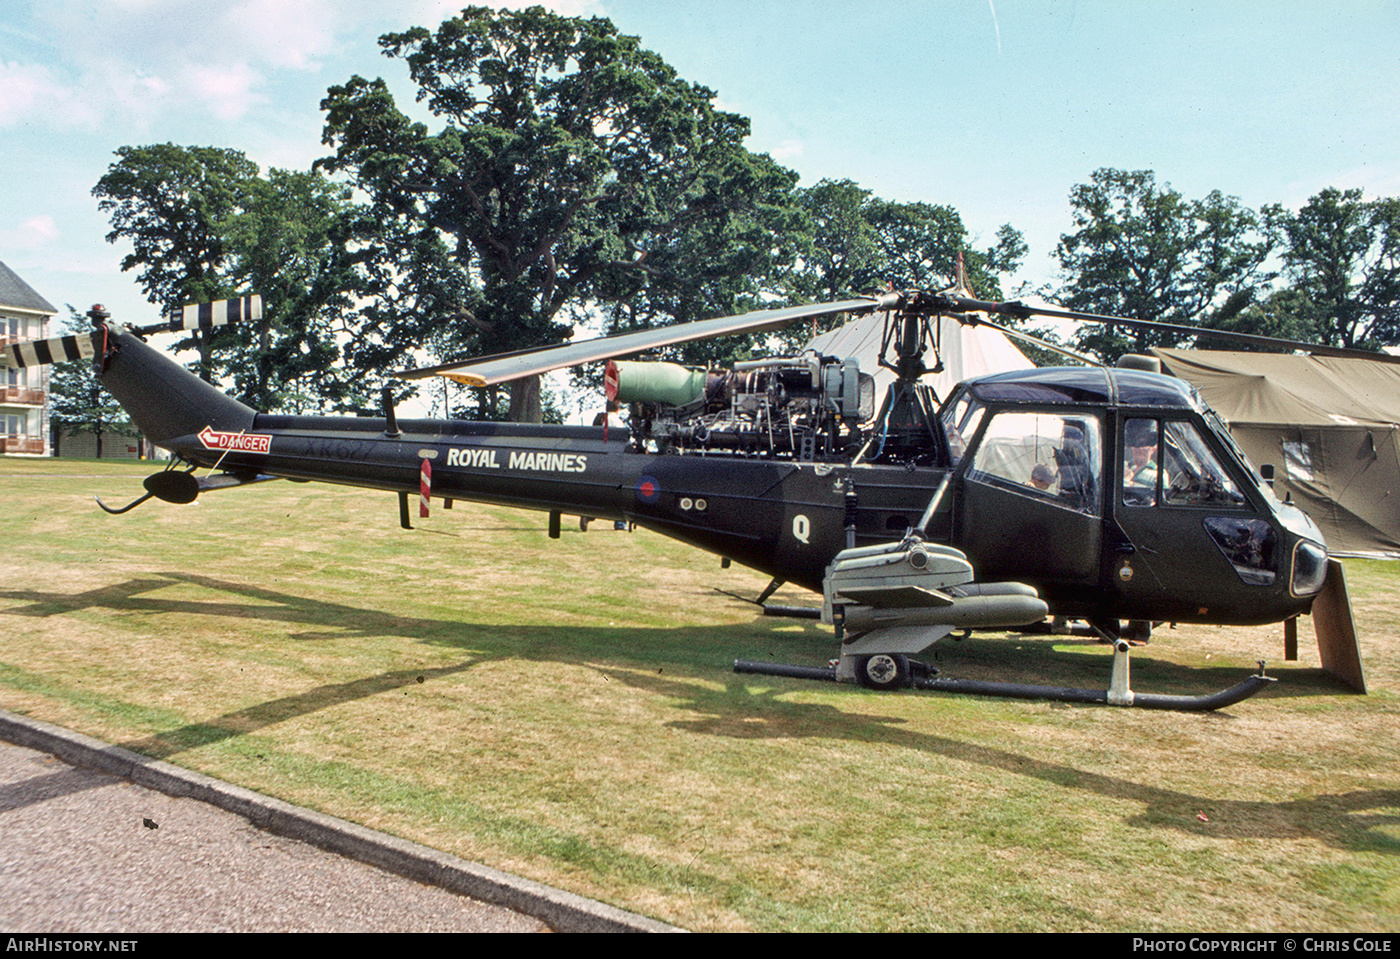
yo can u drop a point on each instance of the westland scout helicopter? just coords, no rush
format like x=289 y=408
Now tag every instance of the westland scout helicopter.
x=1103 y=495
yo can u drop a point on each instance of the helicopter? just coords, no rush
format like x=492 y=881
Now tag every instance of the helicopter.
x=1112 y=496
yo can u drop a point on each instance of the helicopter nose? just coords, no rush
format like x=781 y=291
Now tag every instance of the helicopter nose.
x=1309 y=568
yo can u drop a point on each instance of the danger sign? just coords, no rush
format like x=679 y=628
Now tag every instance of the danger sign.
x=237 y=442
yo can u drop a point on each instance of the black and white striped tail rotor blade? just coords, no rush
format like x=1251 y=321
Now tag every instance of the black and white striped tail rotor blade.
x=208 y=316
x=55 y=349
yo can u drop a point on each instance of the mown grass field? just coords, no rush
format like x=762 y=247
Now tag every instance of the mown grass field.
x=566 y=710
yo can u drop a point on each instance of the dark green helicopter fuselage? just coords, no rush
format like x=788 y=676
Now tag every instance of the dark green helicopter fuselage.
x=1099 y=557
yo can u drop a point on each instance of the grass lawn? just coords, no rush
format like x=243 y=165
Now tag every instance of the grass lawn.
x=565 y=710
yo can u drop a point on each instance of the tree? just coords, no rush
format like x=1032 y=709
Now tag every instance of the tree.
x=1343 y=257
x=205 y=224
x=571 y=168
x=862 y=244
x=858 y=244
x=167 y=201
x=289 y=241
x=1146 y=252
x=1286 y=314
x=78 y=402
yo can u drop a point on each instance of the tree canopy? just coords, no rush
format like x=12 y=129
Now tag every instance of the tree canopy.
x=569 y=167
x=859 y=243
x=1144 y=251
x=167 y=201
x=555 y=174
x=205 y=224
x=1342 y=254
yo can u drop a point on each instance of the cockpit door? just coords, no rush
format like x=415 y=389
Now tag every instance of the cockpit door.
x=1030 y=501
x=1193 y=538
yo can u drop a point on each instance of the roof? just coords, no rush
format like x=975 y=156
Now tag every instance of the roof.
x=1099 y=386
x=19 y=295
x=1291 y=388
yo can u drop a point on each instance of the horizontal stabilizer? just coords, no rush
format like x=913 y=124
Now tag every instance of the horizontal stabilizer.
x=56 y=349
x=230 y=480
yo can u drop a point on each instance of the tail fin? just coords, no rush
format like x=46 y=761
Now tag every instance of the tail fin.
x=165 y=400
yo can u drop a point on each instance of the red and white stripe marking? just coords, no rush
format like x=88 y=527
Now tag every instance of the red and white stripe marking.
x=425 y=487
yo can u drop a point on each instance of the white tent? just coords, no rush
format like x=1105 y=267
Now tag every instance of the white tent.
x=966 y=351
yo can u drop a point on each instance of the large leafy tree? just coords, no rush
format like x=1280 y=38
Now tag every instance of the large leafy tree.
x=1144 y=251
x=861 y=244
x=1342 y=255
x=568 y=168
x=290 y=241
x=204 y=224
x=167 y=201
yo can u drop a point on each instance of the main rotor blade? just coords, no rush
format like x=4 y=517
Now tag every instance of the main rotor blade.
x=1023 y=310
x=1043 y=344
x=487 y=371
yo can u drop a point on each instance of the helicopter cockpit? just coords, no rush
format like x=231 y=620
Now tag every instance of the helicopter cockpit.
x=1122 y=476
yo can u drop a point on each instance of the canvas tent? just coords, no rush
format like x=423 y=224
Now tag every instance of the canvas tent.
x=1329 y=427
x=966 y=351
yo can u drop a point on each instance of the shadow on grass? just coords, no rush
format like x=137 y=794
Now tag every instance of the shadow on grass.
x=741 y=711
x=747 y=707
x=1076 y=662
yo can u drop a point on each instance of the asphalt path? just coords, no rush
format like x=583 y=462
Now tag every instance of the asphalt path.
x=85 y=851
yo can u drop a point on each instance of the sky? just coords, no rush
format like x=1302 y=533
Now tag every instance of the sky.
x=994 y=107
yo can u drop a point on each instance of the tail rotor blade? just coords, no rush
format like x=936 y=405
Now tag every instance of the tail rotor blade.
x=207 y=316
x=76 y=346
x=55 y=349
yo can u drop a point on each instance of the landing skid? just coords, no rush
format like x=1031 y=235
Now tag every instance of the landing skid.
x=921 y=676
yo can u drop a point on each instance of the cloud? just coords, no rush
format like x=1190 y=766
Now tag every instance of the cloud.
x=131 y=60
x=786 y=150
x=227 y=92
x=134 y=64
x=33 y=233
x=30 y=91
x=282 y=34
x=22 y=87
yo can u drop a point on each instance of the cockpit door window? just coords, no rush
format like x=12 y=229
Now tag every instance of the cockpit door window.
x=1049 y=456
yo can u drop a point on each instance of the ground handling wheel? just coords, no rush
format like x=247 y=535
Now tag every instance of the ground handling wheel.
x=883 y=671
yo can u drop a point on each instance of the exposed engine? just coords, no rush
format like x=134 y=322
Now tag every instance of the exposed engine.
x=807 y=407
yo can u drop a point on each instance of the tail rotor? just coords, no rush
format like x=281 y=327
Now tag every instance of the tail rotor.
x=77 y=346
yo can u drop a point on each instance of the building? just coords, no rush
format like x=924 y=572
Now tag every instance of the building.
x=24 y=315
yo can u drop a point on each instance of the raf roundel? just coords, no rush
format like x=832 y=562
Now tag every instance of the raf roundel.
x=648 y=489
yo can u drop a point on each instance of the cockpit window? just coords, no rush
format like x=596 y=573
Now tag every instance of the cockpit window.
x=1251 y=546
x=1047 y=456
x=1169 y=462
x=960 y=419
x=1141 y=455
x=1194 y=476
